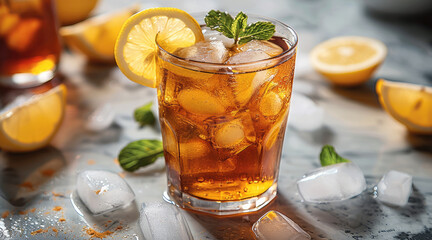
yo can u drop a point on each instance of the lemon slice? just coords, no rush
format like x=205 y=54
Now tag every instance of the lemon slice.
x=348 y=61
x=32 y=125
x=136 y=49
x=96 y=37
x=410 y=104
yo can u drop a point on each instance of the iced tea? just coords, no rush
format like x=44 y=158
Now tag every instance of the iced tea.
x=29 y=42
x=223 y=111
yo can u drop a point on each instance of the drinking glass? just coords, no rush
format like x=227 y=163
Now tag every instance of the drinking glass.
x=223 y=126
x=29 y=42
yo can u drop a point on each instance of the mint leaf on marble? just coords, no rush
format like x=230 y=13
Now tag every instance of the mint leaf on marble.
x=328 y=156
x=237 y=28
x=139 y=154
x=144 y=115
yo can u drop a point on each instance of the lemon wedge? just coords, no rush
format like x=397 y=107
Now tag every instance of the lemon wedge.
x=136 y=49
x=96 y=37
x=348 y=61
x=410 y=104
x=32 y=125
x=70 y=12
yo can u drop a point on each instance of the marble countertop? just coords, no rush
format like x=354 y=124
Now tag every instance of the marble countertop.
x=353 y=122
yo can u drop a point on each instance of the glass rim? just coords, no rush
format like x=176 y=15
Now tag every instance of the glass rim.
x=286 y=53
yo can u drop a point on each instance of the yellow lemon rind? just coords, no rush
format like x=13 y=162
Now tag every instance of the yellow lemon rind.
x=74 y=37
x=352 y=74
x=149 y=79
x=9 y=144
x=382 y=87
x=339 y=69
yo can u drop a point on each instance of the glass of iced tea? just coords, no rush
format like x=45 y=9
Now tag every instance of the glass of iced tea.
x=223 y=111
x=29 y=42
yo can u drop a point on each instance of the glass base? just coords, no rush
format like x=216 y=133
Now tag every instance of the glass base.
x=186 y=201
x=26 y=80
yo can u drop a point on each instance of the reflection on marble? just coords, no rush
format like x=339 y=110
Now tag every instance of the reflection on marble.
x=353 y=122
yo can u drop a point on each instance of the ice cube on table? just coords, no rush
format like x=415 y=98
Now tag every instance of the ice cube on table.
x=305 y=115
x=101 y=118
x=257 y=45
x=212 y=52
x=276 y=226
x=394 y=188
x=103 y=191
x=332 y=183
x=163 y=221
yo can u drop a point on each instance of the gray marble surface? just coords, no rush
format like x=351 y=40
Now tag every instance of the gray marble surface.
x=353 y=122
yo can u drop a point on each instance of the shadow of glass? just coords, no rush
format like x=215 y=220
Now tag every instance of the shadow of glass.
x=415 y=207
x=228 y=227
x=354 y=216
x=112 y=134
x=363 y=94
x=421 y=143
x=23 y=175
x=421 y=18
x=320 y=136
x=155 y=169
x=97 y=74
x=240 y=226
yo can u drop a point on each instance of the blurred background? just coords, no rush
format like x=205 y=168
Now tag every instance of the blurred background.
x=92 y=119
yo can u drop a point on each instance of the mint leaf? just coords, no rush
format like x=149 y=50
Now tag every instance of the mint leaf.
x=237 y=28
x=328 y=156
x=144 y=116
x=139 y=154
x=239 y=25
x=257 y=31
x=220 y=21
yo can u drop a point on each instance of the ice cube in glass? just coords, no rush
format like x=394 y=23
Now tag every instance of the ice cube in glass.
x=247 y=56
x=256 y=45
x=211 y=52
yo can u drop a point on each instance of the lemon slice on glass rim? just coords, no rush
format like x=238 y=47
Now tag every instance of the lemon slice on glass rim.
x=136 y=49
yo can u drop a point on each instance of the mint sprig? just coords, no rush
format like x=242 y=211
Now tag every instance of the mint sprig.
x=328 y=156
x=237 y=28
x=139 y=154
x=144 y=116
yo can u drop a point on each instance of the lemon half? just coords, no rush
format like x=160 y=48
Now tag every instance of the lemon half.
x=348 y=61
